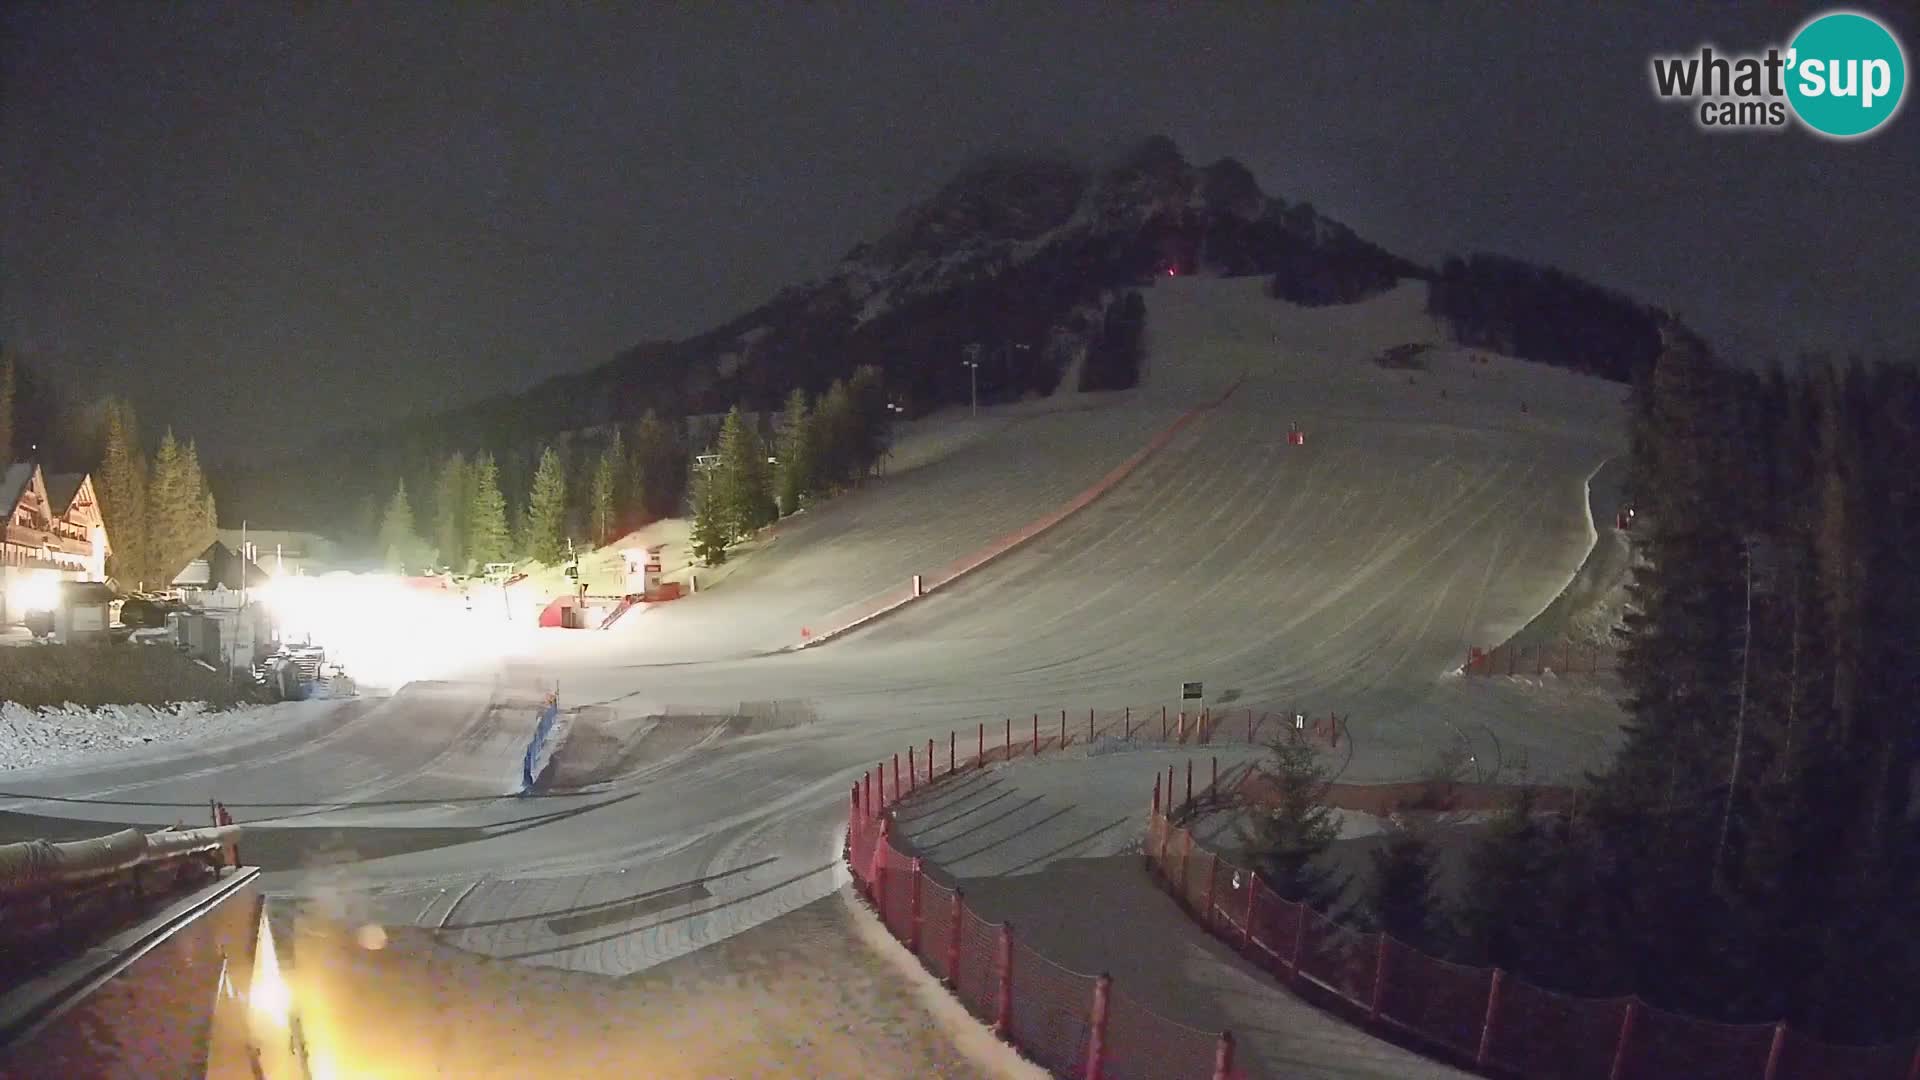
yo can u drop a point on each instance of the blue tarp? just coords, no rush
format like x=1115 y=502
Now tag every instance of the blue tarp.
x=539 y=742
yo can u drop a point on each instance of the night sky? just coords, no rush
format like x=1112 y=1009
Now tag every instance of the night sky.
x=347 y=213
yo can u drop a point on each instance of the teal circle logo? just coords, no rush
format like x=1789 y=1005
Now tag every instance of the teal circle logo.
x=1846 y=74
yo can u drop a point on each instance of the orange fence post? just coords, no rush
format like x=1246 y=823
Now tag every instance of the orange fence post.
x=1774 y=1051
x=1089 y=727
x=896 y=778
x=953 y=939
x=914 y=944
x=1009 y=737
x=913 y=773
x=981 y=758
x=1036 y=734
x=877 y=879
x=1186 y=865
x=1163 y=723
x=1003 y=1008
x=1169 y=791
x=1223 y=1057
x=1189 y=802
x=953 y=752
x=1097 y=1028
x=1493 y=1014
x=1379 y=978
x=1249 y=727
x=1627 y=1020
x=1180 y=727
x=869 y=799
x=929 y=761
x=1213 y=785
x=1253 y=906
x=1063 y=729
x=1156 y=794
x=1299 y=941
x=1213 y=883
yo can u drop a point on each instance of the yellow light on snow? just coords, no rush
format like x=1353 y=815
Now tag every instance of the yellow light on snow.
x=271 y=999
x=38 y=590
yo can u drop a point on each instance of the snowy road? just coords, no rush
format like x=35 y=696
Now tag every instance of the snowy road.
x=1347 y=574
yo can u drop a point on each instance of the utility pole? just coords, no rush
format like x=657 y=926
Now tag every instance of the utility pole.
x=973 y=375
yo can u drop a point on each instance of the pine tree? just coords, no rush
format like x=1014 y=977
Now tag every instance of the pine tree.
x=201 y=516
x=171 y=502
x=740 y=479
x=452 y=502
x=487 y=537
x=1294 y=826
x=837 y=433
x=1400 y=896
x=710 y=536
x=796 y=455
x=121 y=484
x=872 y=430
x=608 y=494
x=657 y=470
x=545 y=537
x=398 y=541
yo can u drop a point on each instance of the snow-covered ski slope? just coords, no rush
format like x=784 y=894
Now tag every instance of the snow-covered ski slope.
x=1347 y=574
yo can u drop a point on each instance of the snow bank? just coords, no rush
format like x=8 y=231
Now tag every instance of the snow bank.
x=51 y=736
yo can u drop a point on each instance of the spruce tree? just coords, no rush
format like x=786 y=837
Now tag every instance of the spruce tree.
x=1400 y=899
x=872 y=428
x=202 y=519
x=545 y=538
x=740 y=479
x=837 y=435
x=607 y=497
x=121 y=484
x=171 y=500
x=487 y=537
x=796 y=454
x=1294 y=827
x=452 y=503
x=398 y=542
x=657 y=472
x=710 y=534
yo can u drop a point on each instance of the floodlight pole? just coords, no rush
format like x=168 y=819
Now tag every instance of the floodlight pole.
x=973 y=376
